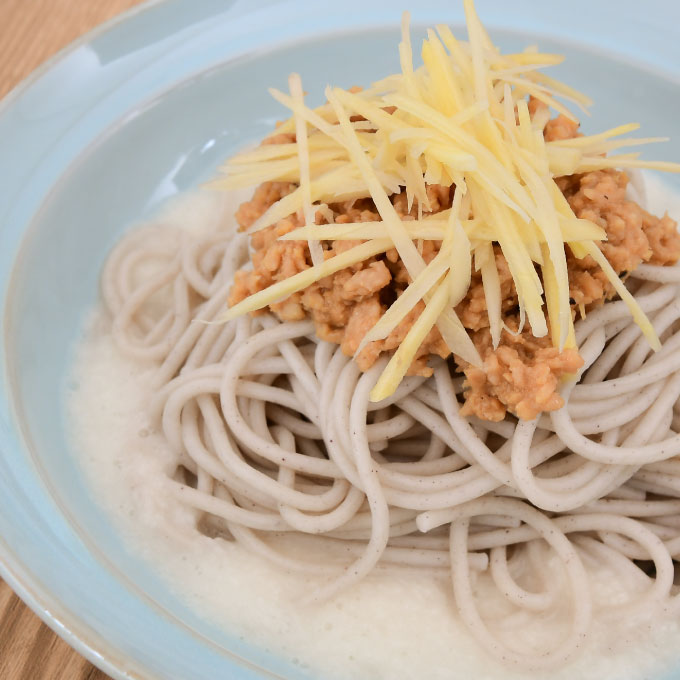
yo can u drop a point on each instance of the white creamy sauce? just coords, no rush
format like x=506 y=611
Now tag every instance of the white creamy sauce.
x=396 y=624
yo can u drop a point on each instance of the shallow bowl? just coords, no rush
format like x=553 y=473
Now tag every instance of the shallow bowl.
x=137 y=111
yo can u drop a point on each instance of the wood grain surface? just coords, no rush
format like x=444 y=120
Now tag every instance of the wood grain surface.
x=31 y=31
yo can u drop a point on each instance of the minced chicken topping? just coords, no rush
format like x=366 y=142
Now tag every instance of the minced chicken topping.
x=522 y=375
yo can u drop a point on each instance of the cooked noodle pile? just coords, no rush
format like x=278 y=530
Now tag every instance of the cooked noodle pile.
x=278 y=445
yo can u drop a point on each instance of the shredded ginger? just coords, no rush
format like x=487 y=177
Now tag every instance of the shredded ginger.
x=461 y=119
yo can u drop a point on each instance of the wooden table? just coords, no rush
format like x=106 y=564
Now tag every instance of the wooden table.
x=30 y=32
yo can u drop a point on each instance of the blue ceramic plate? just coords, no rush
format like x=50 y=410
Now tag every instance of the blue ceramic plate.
x=146 y=107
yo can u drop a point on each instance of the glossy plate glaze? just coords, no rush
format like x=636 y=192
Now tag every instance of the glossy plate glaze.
x=137 y=111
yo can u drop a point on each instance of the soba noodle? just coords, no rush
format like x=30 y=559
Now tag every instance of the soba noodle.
x=278 y=441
